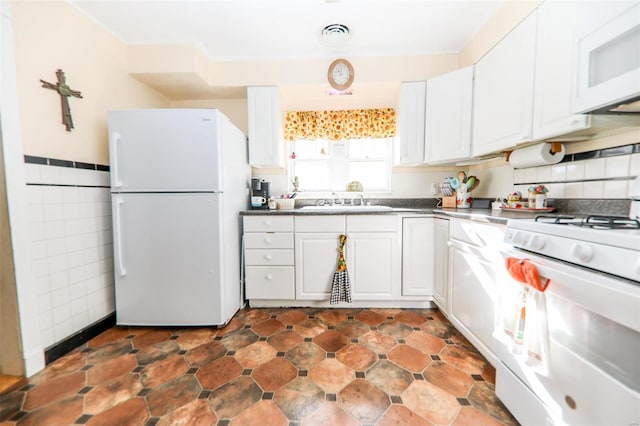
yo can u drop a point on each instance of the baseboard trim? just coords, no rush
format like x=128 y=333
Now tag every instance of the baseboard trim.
x=65 y=346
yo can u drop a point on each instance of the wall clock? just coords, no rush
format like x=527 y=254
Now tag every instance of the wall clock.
x=340 y=74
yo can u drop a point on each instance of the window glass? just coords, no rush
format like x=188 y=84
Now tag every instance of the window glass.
x=330 y=165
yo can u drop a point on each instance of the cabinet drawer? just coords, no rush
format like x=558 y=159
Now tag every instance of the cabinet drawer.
x=268 y=224
x=268 y=241
x=366 y=223
x=268 y=257
x=479 y=234
x=320 y=224
x=270 y=282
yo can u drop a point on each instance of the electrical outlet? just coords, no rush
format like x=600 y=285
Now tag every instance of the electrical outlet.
x=434 y=188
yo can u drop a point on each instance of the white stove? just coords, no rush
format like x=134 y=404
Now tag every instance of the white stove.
x=609 y=244
x=592 y=320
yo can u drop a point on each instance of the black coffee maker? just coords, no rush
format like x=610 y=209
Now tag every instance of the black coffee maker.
x=259 y=195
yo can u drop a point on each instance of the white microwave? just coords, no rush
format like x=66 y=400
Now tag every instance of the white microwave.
x=607 y=40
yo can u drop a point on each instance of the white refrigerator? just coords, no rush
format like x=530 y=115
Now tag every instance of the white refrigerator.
x=179 y=177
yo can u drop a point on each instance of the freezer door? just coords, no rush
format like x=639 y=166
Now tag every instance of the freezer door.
x=168 y=260
x=160 y=150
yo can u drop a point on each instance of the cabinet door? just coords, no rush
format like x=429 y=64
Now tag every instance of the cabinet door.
x=503 y=91
x=316 y=256
x=265 y=127
x=473 y=292
x=441 y=264
x=418 y=256
x=448 y=116
x=555 y=57
x=373 y=263
x=411 y=123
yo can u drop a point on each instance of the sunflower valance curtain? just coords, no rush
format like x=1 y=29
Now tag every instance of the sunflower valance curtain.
x=340 y=125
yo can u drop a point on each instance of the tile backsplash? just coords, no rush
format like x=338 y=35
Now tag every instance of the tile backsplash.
x=71 y=241
x=599 y=174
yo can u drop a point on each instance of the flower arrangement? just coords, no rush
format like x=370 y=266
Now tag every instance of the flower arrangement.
x=538 y=189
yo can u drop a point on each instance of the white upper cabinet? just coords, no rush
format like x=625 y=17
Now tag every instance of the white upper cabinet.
x=555 y=57
x=503 y=92
x=448 y=117
x=411 y=117
x=265 y=127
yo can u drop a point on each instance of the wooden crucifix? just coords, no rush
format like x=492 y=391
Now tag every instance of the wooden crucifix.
x=64 y=91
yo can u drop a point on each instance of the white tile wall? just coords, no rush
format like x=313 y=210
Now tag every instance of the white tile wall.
x=72 y=250
x=595 y=178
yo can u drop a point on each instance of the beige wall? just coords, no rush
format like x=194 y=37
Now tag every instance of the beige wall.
x=505 y=19
x=52 y=34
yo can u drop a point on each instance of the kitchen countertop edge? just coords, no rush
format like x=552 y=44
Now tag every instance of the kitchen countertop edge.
x=480 y=215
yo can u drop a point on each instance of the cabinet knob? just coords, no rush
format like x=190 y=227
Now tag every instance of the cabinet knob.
x=269 y=277
x=267 y=223
x=267 y=257
x=267 y=240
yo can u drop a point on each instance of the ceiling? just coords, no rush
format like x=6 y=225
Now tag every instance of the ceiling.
x=233 y=30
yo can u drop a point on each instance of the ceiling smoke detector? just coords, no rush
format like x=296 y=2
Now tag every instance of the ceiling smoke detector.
x=335 y=34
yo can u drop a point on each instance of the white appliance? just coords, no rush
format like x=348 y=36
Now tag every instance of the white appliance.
x=608 y=57
x=178 y=180
x=593 y=316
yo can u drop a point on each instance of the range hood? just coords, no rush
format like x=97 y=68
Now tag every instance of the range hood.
x=631 y=106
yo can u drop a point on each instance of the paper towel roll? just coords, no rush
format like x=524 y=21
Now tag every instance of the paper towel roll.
x=535 y=155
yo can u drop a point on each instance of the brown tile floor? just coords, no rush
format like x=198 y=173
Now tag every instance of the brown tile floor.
x=270 y=367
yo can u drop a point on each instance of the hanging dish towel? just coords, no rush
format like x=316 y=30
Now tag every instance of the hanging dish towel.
x=341 y=288
x=522 y=314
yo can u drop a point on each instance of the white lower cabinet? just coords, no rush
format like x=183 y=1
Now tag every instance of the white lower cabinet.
x=316 y=254
x=373 y=257
x=418 y=248
x=373 y=265
x=441 y=264
x=371 y=252
x=316 y=260
x=475 y=269
x=269 y=257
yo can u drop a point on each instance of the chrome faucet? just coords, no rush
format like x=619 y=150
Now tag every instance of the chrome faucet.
x=337 y=199
x=362 y=200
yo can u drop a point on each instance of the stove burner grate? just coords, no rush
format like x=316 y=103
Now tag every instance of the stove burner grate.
x=561 y=219
x=591 y=221
x=610 y=222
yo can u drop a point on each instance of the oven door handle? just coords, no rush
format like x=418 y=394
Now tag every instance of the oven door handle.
x=612 y=297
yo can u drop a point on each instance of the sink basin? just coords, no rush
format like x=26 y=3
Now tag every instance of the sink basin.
x=340 y=207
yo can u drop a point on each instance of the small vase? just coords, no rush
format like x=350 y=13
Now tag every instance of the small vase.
x=463 y=200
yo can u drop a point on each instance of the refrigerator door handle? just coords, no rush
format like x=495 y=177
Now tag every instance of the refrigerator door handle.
x=117 y=183
x=121 y=265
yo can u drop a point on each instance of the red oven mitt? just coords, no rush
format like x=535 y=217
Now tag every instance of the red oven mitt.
x=526 y=272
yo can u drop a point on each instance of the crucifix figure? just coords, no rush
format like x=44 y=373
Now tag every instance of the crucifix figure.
x=64 y=91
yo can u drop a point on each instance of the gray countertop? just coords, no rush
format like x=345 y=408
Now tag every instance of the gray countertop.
x=482 y=215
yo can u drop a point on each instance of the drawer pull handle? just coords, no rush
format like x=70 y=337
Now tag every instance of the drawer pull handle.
x=267 y=257
x=267 y=240
x=267 y=223
x=269 y=277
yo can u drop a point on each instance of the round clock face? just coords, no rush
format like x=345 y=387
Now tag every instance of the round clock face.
x=340 y=74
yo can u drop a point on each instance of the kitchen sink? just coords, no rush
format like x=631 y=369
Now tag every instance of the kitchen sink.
x=341 y=207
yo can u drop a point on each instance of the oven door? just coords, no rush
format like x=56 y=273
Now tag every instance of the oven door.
x=593 y=373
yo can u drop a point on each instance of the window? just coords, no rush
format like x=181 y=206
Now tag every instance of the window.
x=323 y=165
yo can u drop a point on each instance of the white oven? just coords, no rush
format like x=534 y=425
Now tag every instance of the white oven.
x=608 y=56
x=593 y=321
